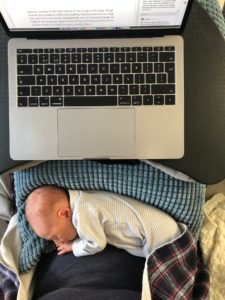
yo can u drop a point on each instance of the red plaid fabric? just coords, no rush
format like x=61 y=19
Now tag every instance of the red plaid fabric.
x=176 y=271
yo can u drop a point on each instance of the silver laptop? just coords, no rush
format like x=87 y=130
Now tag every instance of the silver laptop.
x=95 y=79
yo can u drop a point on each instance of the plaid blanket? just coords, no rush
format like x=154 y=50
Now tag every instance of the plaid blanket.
x=174 y=271
x=9 y=284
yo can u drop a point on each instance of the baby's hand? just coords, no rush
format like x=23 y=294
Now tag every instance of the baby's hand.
x=63 y=248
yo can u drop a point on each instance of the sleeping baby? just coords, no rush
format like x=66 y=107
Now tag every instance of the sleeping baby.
x=85 y=221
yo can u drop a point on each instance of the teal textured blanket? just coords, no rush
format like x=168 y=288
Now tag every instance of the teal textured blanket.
x=182 y=200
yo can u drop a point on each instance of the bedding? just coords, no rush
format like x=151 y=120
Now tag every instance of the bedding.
x=212 y=240
x=183 y=200
x=165 y=272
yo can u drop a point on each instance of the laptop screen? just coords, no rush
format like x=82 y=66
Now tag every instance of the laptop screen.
x=88 y=15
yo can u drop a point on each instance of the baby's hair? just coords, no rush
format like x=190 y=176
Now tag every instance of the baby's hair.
x=36 y=205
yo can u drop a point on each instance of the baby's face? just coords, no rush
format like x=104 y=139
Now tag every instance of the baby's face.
x=62 y=231
x=57 y=230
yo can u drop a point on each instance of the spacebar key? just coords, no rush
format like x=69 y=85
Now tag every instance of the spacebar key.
x=90 y=101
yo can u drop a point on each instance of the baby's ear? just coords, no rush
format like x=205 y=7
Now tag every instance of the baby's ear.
x=64 y=212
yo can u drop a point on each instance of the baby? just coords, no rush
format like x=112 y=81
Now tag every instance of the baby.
x=85 y=221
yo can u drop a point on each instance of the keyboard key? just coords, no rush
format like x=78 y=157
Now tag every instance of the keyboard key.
x=170 y=48
x=158 y=99
x=148 y=100
x=117 y=79
x=32 y=59
x=136 y=100
x=123 y=90
x=26 y=80
x=84 y=79
x=139 y=78
x=68 y=90
x=166 y=56
x=46 y=90
x=24 y=91
x=147 y=67
x=90 y=90
x=60 y=69
x=24 y=70
x=131 y=57
x=170 y=99
x=49 y=69
x=33 y=101
x=22 y=101
x=41 y=80
x=22 y=59
x=107 y=78
x=73 y=79
x=150 y=78
x=24 y=50
x=125 y=68
x=81 y=50
x=109 y=57
x=103 y=49
x=65 y=58
x=44 y=101
x=137 y=68
x=54 y=58
x=81 y=69
x=48 y=50
x=114 y=68
x=56 y=101
x=158 y=68
x=128 y=78
x=153 y=56
x=63 y=79
x=90 y=101
x=59 y=50
x=95 y=79
x=170 y=69
x=98 y=57
x=145 y=89
x=103 y=68
x=92 y=68
x=76 y=58
x=124 y=100
x=43 y=59
x=161 y=78
x=142 y=57
x=57 y=90
x=38 y=69
x=101 y=90
x=71 y=69
x=52 y=79
x=79 y=90
x=120 y=57
x=134 y=89
x=112 y=89
x=87 y=58
x=163 y=89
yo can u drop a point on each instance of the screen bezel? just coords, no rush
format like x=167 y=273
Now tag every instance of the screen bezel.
x=121 y=33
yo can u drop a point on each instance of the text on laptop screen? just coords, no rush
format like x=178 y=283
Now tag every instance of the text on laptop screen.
x=29 y=15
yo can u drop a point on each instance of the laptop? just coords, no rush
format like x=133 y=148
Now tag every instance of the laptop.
x=95 y=79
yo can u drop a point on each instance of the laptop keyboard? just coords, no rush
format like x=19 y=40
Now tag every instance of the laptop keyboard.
x=96 y=76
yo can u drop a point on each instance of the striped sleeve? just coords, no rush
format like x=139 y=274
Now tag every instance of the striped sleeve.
x=92 y=238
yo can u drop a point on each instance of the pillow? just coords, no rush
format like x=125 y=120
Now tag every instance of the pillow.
x=181 y=199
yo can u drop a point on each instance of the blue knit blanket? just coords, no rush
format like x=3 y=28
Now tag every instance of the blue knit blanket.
x=182 y=200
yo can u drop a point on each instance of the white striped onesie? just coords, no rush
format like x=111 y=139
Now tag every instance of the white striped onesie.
x=102 y=217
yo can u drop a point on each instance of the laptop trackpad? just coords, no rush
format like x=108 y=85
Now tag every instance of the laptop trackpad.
x=91 y=132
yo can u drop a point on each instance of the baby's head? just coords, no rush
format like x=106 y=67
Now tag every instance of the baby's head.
x=48 y=212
